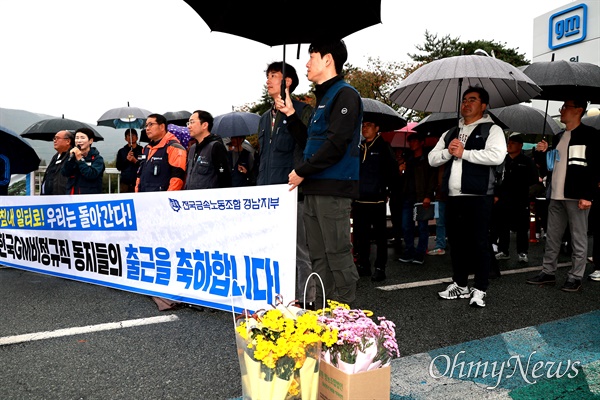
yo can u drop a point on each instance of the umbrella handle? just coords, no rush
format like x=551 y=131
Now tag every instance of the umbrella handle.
x=283 y=85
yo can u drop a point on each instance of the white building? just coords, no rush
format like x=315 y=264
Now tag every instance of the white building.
x=570 y=32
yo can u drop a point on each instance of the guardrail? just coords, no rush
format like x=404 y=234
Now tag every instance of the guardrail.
x=112 y=174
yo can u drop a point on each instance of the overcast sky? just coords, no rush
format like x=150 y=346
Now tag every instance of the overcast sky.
x=81 y=58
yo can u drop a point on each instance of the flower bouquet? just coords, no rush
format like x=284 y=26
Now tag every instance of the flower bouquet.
x=362 y=345
x=279 y=353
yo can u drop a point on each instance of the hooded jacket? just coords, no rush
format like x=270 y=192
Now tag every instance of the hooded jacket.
x=85 y=175
x=491 y=153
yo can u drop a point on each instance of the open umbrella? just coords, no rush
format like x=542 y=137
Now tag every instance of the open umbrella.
x=178 y=118
x=124 y=117
x=565 y=80
x=235 y=123
x=239 y=18
x=383 y=115
x=47 y=128
x=592 y=121
x=526 y=119
x=437 y=123
x=438 y=85
x=22 y=157
x=398 y=138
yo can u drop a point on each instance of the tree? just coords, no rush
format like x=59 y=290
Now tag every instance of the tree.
x=446 y=46
x=379 y=80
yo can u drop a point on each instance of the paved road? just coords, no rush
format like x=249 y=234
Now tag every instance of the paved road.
x=188 y=354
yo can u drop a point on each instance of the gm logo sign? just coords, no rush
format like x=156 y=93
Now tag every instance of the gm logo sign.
x=567 y=27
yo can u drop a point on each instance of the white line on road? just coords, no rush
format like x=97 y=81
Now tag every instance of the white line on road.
x=432 y=282
x=85 y=329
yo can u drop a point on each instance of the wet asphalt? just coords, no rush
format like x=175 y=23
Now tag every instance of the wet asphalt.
x=193 y=356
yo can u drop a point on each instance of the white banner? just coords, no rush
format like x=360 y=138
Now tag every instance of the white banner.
x=212 y=248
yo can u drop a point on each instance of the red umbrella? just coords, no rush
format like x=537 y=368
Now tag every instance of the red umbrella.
x=398 y=137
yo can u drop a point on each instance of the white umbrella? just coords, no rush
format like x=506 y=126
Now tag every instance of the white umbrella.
x=438 y=86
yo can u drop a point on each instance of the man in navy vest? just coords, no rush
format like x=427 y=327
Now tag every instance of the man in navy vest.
x=330 y=169
x=471 y=154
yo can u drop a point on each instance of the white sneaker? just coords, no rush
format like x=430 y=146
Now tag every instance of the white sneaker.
x=477 y=297
x=523 y=257
x=436 y=252
x=502 y=256
x=453 y=291
x=595 y=276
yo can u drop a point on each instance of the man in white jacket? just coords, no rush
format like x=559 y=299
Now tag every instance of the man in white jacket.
x=471 y=154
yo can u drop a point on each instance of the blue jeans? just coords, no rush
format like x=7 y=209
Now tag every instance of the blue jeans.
x=440 y=226
x=408 y=227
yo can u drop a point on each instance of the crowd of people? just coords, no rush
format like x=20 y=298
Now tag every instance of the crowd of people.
x=473 y=182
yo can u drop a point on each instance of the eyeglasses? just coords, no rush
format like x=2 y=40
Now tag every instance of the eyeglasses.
x=565 y=106
x=191 y=121
x=150 y=124
x=470 y=100
x=55 y=138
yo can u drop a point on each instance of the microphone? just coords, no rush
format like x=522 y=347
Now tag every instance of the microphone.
x=71 y=155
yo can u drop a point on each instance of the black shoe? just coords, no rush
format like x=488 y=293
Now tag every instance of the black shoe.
x=495 y=273
x=379 y=275
x=542 y=279
x=571 y=285
x=419 y=259
x=406 y=258
x=363 y=271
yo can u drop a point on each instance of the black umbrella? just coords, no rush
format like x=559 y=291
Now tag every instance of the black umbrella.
x=565 y=80
x=438 y=123
x=592 y=121
x=235 y=123
x=383 y=115
x=240 y=18
x=526 y=119
x=179 y=118
x=22 y=157
x=47 y=128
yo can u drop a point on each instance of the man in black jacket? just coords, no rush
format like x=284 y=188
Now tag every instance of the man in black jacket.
x=511 y=199
x=54 y=183
x=572 y=183
x=419 y=187
x=378 y=167
x=279 y=153
x=128 y=161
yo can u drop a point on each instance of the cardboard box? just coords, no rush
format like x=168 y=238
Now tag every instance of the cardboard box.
x=337 y=385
